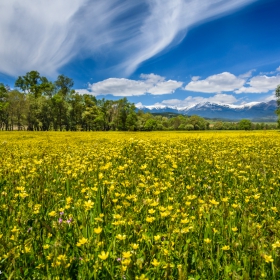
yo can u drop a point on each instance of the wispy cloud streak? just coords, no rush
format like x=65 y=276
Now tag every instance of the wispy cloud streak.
x=45 y=35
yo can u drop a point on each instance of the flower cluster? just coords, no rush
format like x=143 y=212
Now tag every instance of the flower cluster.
x=165 y=205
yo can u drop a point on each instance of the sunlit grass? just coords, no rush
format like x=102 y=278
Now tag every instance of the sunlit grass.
x=170 y=205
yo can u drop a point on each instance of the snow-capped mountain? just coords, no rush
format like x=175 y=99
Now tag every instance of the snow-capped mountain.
x=252 y=110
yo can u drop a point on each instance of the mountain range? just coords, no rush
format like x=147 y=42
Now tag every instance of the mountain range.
x=255 y=111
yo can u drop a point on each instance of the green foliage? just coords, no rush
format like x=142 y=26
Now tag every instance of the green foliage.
x=189 y=127
x=3 y=105
x=245 y=124
x=63 y=85
x=34 y=84
x=151 y=124
x=218 y=125
x=277 y=94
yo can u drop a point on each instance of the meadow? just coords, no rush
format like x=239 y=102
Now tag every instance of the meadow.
x=147 y=205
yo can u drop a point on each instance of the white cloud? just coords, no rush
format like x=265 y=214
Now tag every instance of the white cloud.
x=152 y=78
x=149 y=83
x=192 y=100
x=278 y=69
x=35 y=35
x=46 y=35
x=165 y=87
x=139 y=105
x=167 y=24
x=268 y=98
x=158 y=85
x=216 y=83
x=260 y=84
x=247 y=74
x=83 y=91
x=195 y=78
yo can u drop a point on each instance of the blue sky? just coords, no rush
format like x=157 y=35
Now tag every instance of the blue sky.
x=154 y=52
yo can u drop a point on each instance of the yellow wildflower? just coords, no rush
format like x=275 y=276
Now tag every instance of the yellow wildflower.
x=155 y=262
x=69 y=200
x=124 y=267
x=97 y=230
x=88 y=205
x=150 y=219
x=62 y=258
x=268 y=258
x=82 y=241
x=134 y=246
x=156 y=237
x=276 y=245
x=214 y=202
x=121 y=236
x=52 y=213
x=142 y=277
x=103 y=256
x=126 y=255
x=126 y=262
x=27 y=249
x=151 y=211
x=15 y=229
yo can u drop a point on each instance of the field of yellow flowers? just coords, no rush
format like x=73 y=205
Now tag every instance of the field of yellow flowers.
x=158 y=205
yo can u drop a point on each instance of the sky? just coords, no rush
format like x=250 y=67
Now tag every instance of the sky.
x=153 y=52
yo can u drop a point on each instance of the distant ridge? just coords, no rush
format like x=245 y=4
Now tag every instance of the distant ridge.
x=251 y=111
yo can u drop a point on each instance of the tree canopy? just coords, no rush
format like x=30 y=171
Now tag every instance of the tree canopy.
x=277 y=94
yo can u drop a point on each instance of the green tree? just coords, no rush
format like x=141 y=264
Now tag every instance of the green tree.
x=3 y=107
x=61 y=103
x=151 y=124
x=141 y=119
x=38 y=90
x=218 y=125
x=189 y=127
x=63 y=86
x=277 y=94
x=182 y=126
x=45 y=114
x=17 y=109
x=92 y=115
x=60 y=109
x=198 y=123
x=34 y=109
x=123 y=109
x=34 y=84
x=131 y=120
x=76 y=111
x=107 y=114
x=244 y=124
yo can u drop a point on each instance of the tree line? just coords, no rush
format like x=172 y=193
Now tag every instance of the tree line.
x=41 y=105
x=277 y=95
